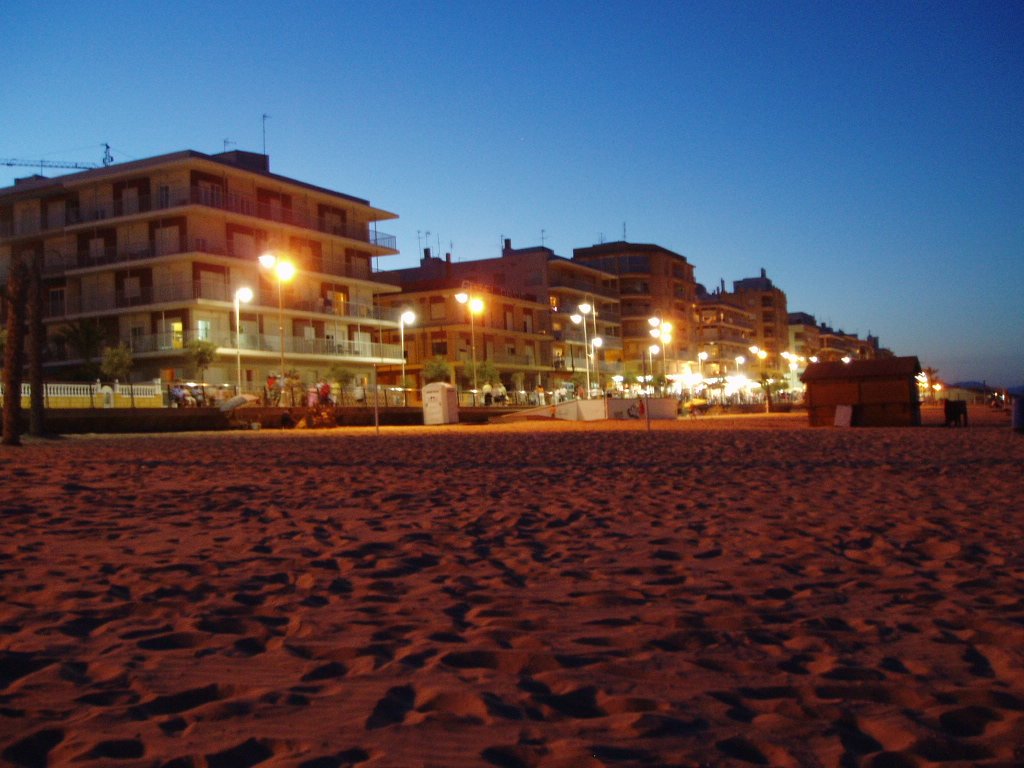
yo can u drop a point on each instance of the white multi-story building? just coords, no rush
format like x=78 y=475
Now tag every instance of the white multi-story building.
x=153 y=252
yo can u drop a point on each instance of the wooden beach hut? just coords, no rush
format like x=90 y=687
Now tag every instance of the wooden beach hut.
x=863 y=393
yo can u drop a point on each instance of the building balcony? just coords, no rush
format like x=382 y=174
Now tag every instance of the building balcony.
x=169 y=293
x=177 y=197
x=332 y=264
x=722 y=335
x=582 y=287
x=249 y=344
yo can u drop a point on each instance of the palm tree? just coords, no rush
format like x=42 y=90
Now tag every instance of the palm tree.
x=17 y=278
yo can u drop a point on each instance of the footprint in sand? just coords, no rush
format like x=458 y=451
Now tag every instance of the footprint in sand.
x=393 y=708
x=32 y=750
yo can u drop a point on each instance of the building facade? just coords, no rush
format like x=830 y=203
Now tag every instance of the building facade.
x=654 y=283
x=767 y=303
x=725 y=333
x=152 y=252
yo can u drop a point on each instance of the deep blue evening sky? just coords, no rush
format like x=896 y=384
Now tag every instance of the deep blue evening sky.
x=868 y=155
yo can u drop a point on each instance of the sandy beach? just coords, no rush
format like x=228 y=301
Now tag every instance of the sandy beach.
x=719 y=592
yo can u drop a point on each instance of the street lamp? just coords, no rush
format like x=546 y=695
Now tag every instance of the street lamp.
x=284 y=271
x=243 y=294
x=595 y=344
x=701 y=357
x=652 y=351
x=406 y=318
x=475 y=305
x=663 y=332
x=580 y=319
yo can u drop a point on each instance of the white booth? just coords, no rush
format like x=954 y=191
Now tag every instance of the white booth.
x=440 y=403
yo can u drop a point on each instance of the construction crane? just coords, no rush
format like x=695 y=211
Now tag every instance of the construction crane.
x=41 y=164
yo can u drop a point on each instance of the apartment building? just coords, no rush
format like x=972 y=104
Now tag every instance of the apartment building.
x=726 y=331
x=804 y=335
x=508 y=326
x=153 y=253
x=767 y=303
x=586 y=330
x=653 y=282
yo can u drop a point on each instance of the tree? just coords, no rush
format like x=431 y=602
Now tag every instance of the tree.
x=85 y=340
x=117 y=364
x=437 y=369
x=201 y=354
x=486 y=373
x=14 y=351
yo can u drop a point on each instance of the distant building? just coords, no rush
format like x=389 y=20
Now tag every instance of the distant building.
x=726 y=331
x=525 y=328
x=653 y=282
x=771 y=316
x=151 y=253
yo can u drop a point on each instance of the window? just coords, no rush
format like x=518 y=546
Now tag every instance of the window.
x=439 y=348
x=138 y=333
x=167 y=241
x=56 y=302
x=163 y=197
x=97 y=247
x=132 y=288
x=204 y=327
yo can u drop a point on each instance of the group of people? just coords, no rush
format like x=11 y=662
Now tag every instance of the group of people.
x=187 y=396
x=494 y=395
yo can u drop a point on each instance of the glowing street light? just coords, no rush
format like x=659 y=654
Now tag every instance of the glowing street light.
x=242 y=295
x=475 y=305
x=284 y=271
x=406 y=318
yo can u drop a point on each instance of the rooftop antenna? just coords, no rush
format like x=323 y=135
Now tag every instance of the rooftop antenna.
x=107 y=157
x=419 y=241
x=227 y=142
x=265 y=118
x=623 y=231
x=542 y=233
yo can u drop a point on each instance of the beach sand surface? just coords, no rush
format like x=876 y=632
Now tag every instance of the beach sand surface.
x=720 y=592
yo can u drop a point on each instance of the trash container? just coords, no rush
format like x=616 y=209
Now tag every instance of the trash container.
x=440 y=403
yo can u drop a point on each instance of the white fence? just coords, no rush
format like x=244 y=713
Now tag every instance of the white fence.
x=69 y=395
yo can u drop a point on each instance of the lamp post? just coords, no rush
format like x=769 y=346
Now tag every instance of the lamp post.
x=284 y=271
x=662 y=331
x=406 y=318
x=761 y=355
x=701 y=357
x=652 y=351
x=595 y=344
x=243 y=294
x=475 y=305
x=581 y=320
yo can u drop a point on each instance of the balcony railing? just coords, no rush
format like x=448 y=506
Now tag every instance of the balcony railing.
x=175 y=342
x=191 y=291
x=335 y=264
x=231 y=202
x=576 y=284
